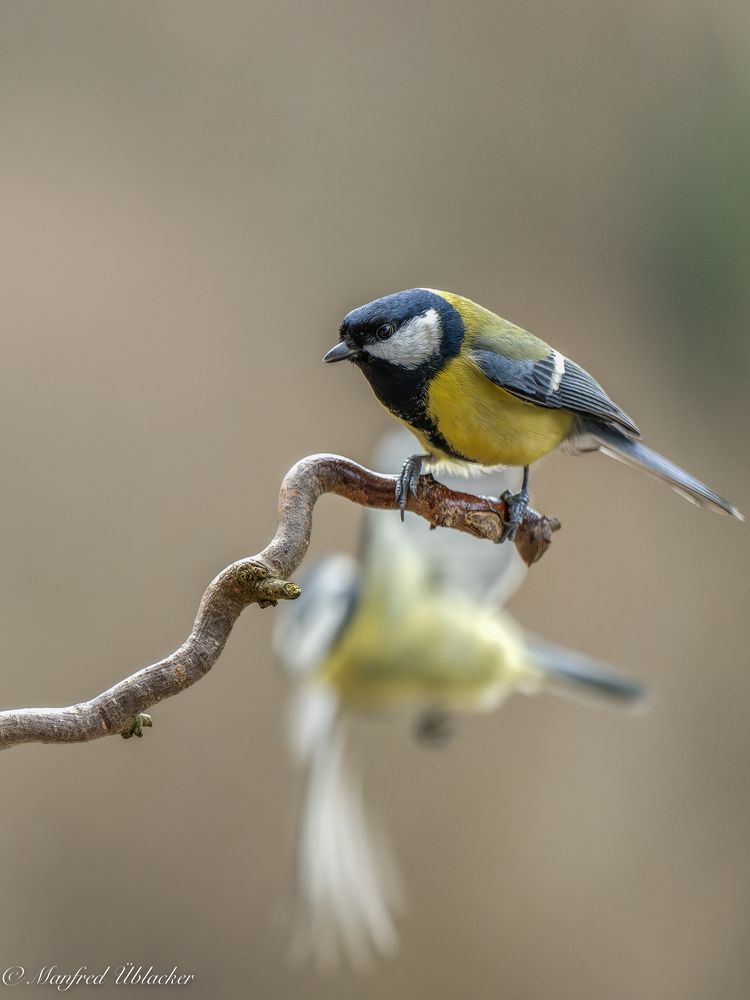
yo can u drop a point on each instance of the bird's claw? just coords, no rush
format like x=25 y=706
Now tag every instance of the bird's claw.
x=434 y=727
x=516 y=505
x=406 y=481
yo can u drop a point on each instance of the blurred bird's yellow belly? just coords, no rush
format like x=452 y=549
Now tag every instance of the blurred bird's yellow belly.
x=488 y=425
x=437 y=650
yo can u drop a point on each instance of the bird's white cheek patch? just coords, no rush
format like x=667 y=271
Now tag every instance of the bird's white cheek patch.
x=413 y=344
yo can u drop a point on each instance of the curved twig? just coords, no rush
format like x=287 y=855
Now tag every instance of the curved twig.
x=262 y=579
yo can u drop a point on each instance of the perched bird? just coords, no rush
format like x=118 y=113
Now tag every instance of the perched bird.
x=415 y=624
x=478 y=391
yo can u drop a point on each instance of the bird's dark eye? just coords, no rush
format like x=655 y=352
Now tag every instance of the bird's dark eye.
x=384 y=332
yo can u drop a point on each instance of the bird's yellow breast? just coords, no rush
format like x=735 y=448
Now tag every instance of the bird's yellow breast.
x=400 y=652
x=488 y=425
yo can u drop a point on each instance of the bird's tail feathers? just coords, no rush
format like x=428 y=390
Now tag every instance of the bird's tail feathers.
x=569 y=672
x=594 y=435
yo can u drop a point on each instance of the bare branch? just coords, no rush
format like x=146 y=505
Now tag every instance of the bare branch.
x=262 y=579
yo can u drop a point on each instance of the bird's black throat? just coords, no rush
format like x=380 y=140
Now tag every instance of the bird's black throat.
x=403 y=391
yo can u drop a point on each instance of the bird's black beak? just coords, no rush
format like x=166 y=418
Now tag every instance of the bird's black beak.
x=340 y=352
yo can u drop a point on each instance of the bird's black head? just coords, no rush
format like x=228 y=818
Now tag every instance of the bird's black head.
x=406 y=330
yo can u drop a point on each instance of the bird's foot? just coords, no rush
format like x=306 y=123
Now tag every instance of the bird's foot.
x=434 y=727
x=407 y=479
x=516 y=505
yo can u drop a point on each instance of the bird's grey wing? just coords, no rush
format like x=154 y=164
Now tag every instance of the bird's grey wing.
x=553 y=381
x=452 y=560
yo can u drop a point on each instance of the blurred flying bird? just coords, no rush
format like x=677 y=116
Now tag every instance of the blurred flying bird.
x=480 y=392
x=417 y=624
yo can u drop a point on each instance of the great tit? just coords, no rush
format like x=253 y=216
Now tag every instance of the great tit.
x=415 y=624
x=478 y=391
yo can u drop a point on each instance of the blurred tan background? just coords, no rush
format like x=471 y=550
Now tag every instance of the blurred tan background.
x=192 y=195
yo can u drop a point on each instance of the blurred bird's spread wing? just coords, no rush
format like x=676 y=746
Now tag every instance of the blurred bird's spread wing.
x=348 y=887
x=306 y=629
x=450 y=560
x=552 y=381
